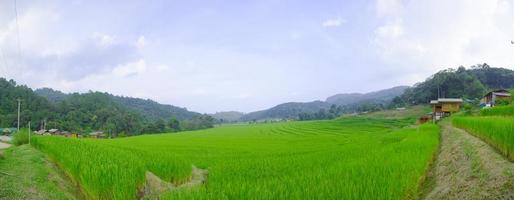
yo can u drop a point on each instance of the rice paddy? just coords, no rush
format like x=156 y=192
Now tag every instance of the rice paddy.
x=498 y=110
x=497 y=131
x=347 y=158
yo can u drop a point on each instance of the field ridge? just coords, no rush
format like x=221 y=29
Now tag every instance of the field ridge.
x=468 y=168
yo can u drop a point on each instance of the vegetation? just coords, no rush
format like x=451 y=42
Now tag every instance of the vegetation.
x=21 y=137
x=497 y=131
x=348 y=158
x=345 y=103
x=148 y=109
x=498 y=110
x=467 y=83
x=26 y=174
x=92 y=111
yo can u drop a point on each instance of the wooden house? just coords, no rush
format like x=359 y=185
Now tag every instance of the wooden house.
x=490 y=99
x=445 y=106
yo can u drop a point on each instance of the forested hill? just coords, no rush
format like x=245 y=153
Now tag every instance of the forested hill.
x=332 y=106
x=93 y=111
x=470 y=84
x=147 y=108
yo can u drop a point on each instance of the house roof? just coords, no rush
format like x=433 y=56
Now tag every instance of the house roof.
x=501 y=92
x=446 y=100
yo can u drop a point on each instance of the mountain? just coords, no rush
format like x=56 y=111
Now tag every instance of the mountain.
x=152 y=110
x=228 y=116
x=33 y=107
x=92 y=111
x=381 y=95
x=346 y=102
x=148 y=109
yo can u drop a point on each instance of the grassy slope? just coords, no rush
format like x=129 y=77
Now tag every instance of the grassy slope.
x=31 y=177
x=412 y=112
x=345 y=158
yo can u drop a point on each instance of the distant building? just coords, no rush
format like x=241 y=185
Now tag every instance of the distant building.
x=445 y=106
x=41 y=132
x=7 y=131
x=97 y=134
x=54 y=131
x=489 y=100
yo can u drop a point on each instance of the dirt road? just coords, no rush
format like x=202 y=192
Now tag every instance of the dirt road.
x=4 y=145
x=468 y=168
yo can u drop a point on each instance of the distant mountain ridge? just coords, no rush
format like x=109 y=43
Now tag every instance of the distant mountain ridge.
x=293 y=109
x=382 y=95
x=227 y=116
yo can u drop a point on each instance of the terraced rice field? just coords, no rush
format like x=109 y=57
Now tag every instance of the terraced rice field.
x=348 y=158
x=498 y=131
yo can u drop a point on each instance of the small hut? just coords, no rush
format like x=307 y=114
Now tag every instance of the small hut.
x=490 y=99
x=445 y=106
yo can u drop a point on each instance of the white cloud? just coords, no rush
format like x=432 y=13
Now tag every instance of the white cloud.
x=333 y=22
x=141 y=42
x=130 y=69
x=104 y=40
x=423 y=36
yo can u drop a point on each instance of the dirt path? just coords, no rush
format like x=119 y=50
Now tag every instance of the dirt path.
x=4 y=145
x=154 y=186
x=468 y=168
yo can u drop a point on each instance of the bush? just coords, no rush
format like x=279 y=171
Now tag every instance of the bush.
x=502 y=102
x=21 y=137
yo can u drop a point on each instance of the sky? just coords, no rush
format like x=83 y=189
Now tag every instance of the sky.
x=222 y=55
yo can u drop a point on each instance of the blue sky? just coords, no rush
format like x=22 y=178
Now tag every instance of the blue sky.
x=247 y=55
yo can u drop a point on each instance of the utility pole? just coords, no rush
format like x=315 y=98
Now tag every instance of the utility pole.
x=29 y=133
x=19 y=105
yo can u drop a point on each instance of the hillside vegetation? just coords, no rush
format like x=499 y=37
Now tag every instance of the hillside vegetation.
x=349 y=158
x=470 y=84
x=93 y=111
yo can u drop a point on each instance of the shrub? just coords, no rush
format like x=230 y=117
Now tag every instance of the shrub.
x=21 y=137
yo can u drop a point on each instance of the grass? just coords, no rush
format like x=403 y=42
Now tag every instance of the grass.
x=30 y=177
x=497 y=131
x=498 y=110
x=21 y=137
x=348 y=158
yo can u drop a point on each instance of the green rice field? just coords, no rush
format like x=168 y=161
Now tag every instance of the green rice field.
x=346 y=158
x=498 y=110
x=495 y=130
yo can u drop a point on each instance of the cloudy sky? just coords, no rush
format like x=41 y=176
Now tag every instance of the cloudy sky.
x=247 y=55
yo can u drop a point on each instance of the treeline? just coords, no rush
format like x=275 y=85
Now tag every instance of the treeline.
x=335 y=111
x=85 y=113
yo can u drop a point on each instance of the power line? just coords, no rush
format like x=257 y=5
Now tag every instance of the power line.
x=17 y=31
x=19 y=106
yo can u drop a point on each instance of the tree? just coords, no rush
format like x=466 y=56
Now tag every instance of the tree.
x=174 y=124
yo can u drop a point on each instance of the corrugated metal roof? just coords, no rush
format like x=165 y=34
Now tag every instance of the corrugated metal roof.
x=446 y=100
x=456 y=100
